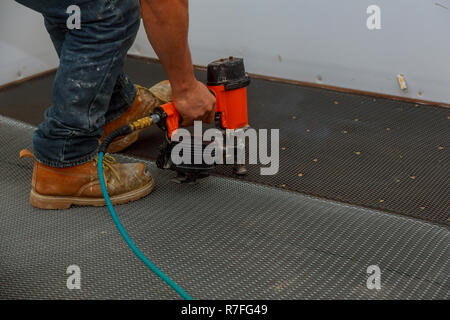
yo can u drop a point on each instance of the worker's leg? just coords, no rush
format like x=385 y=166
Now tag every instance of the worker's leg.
x=89 y=76
x=124 y=91
x=91 y=63
x=57 y=33
x=125 y=105
x=122 y=97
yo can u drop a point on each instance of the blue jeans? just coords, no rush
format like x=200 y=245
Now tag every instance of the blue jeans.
x=90 y=87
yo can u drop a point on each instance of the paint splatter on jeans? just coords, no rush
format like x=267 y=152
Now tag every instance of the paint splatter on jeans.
x=90 y=88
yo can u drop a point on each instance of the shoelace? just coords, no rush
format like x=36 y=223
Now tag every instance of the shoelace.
x=108 y=162
x=139 y=88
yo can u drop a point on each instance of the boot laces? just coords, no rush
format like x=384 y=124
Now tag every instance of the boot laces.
x=108 y=163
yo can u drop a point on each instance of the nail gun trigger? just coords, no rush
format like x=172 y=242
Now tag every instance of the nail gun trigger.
x=218 y=120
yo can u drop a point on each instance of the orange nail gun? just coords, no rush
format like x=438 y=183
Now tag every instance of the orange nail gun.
x=227 y=79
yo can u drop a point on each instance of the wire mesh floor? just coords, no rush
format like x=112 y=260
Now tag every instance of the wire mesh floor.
x=220 y=239
x=378 y=153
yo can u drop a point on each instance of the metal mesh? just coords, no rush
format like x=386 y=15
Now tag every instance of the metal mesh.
x=220 y=239
x=377 y=153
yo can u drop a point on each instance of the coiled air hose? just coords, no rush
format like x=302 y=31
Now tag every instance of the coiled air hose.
x=127 y=129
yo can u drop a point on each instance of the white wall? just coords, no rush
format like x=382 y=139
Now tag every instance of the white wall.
x=309 y=39
x=25 y=47
x=295 y=39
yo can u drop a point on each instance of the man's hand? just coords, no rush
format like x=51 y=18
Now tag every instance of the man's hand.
x=166 y=24
x=194 y=102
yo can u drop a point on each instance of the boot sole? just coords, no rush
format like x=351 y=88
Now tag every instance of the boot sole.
x=123 y=143
x=59 y=202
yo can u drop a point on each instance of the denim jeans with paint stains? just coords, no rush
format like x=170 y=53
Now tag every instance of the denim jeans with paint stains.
x=90 y=87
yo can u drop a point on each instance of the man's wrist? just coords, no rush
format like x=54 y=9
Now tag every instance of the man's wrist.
x=181 y=86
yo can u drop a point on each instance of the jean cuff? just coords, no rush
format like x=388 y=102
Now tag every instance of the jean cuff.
x=65 y=164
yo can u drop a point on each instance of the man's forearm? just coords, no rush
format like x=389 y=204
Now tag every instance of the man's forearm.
x=166 y=23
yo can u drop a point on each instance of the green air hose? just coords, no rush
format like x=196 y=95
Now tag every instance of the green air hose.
x=120 y=132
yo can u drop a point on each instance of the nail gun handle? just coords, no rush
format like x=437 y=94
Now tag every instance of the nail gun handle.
x=173 y=119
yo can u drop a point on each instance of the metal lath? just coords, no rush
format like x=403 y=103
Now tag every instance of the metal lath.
x=378 y=153
x=220 y=239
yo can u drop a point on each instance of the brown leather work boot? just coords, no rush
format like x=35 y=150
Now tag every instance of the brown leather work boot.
x=144 y=104
x=59 y=188
x=162 y=91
